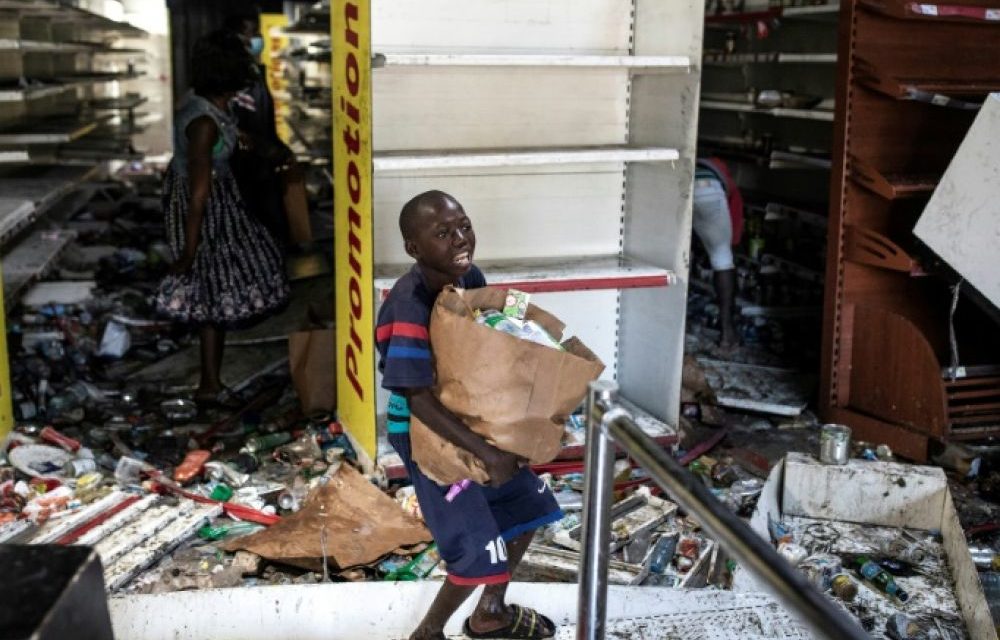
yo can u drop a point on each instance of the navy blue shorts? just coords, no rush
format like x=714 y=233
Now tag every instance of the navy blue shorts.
x=472 y=531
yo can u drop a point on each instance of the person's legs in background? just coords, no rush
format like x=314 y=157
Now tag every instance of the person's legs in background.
x=715 y=230
x=213 y=342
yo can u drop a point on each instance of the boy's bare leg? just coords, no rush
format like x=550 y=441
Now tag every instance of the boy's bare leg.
x=492 y=611
x=446 y=602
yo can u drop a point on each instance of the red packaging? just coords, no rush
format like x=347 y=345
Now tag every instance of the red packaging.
x=192 y=465
x=52 y=436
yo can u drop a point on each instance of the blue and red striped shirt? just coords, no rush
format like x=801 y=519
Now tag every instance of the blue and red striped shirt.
x=401 y=330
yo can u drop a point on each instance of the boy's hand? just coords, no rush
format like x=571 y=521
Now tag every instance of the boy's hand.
x=501 y=467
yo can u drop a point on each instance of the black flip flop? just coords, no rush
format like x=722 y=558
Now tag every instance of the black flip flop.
x=527 y=624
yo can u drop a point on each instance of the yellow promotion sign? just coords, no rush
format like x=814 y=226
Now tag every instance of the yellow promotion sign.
x=6 y=404
x=350 y=39
x=275 y=41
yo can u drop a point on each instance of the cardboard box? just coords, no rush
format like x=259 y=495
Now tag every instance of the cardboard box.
x=881 y=494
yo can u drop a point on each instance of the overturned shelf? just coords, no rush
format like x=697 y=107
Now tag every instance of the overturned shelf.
x=32 y=258
x=651 y=63
x=868 y=247
x=409 y=160
x=892 y=186
x=778 y=112
x=908 y=10
x=546 y=275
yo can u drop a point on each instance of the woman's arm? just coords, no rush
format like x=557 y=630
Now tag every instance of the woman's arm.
x=202 y=134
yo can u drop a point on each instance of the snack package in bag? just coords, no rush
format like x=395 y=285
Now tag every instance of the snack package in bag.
x=513 y=392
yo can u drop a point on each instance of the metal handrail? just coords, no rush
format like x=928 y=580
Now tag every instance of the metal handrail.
x=608 y=423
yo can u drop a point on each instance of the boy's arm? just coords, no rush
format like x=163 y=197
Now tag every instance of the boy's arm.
x=500 y=465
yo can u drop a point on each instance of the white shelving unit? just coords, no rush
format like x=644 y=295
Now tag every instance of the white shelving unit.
x=566 y=128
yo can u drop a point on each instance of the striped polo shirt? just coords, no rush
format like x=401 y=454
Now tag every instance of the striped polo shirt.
x=403 y=342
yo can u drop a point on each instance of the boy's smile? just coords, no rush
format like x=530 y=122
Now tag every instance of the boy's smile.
x=442 y=242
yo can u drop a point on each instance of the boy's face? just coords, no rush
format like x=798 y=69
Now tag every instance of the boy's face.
x=443 y=241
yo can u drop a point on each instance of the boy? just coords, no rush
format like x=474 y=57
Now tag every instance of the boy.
x=483 y=533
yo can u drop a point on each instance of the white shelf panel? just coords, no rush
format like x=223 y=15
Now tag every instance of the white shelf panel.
x=516 y=212
x=519 y=106
x=548 y=275
x=409 y=161
x=778 y=112
x=677 y=63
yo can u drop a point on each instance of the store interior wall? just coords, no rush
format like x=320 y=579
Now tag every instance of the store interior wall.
x=191 y=19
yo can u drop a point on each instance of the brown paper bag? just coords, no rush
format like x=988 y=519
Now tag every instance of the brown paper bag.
x=362 y=525
x=515 y=393
x=311 y=360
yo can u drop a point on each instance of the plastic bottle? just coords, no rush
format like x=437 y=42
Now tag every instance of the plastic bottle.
x=256 y=444
x=663 y=552
x=879 y=578
x=418 y=568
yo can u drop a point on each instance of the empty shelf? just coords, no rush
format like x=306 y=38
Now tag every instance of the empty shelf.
x=14 y=214
x=778 y=112
x=821 y=12
x=768 y=57
x=123 y=103
x=680 y=63
x=865 y=246
x=908 y=10
x=892 y=186
x=937 y=91
x=40 y=46
x=50 y=131
x=31 y=92
x=555 y=274
x=32 y=258
x=410 y=160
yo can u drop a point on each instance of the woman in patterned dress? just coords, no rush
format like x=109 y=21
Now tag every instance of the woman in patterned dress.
x=228 y=270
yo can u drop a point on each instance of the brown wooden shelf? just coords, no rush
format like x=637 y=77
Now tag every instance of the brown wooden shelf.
x=944 y=92
x=973 y=406
x=908 y=10
x=864 y=246
x=892 y=186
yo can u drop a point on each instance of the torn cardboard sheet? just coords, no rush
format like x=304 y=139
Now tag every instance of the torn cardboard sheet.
x=347 y=520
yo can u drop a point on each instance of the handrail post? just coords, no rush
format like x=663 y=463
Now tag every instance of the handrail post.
x=596 y=532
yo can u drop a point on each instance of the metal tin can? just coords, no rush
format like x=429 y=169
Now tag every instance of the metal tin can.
x=834 y=444
x=79 y=466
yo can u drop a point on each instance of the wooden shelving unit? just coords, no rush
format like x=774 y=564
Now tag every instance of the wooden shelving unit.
x=910 y=79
